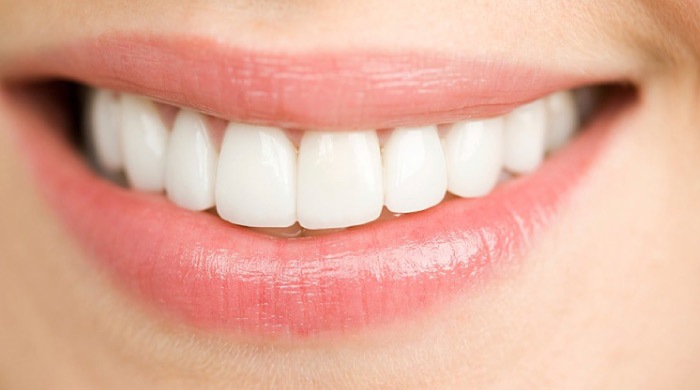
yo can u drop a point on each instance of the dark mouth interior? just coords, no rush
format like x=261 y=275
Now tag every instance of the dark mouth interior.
x=62 y=104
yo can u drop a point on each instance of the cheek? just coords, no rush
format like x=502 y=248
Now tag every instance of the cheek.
x=679 y=24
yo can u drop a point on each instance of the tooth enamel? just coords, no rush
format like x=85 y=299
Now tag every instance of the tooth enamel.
x=190 y=168
x=563 y=119
x=524 y=137
x=336 y=179
x=144 y=142
x=104 y=117
x=474 y=154
x=257 y=177
x=340 y=179
x=415 y=176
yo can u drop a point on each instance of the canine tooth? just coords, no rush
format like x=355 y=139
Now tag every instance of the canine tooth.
x=524 y=137
x=340 y=179
x=256 y=183
x=415 y=176
x=190 y=168
x=474 y=153
x=103 y=118
x=144 y=142
x=563 y=119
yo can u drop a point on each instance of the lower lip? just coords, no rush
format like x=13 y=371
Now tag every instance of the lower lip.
x=219 y=276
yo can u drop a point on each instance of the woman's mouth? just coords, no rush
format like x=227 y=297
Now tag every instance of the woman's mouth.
x=298 y=195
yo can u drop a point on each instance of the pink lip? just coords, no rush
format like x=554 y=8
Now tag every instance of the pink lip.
x=302 y=90
x=220 y=276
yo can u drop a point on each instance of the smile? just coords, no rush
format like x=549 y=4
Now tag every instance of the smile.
x=297 y=194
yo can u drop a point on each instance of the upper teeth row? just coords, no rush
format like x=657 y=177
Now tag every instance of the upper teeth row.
x=257 y=177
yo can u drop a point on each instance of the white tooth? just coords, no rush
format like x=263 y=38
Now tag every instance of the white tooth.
x=104 y=116
x=340 y=179
x=144 y=142
x=415 y=176
x=563 y=119
x=190 y=167
x=256 y=183
x=474 y=153
x=524 y=137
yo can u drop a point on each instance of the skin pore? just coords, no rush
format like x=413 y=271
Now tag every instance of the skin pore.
x=607 y=298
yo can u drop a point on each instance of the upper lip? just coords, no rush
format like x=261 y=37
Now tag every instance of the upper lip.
x=328 y=91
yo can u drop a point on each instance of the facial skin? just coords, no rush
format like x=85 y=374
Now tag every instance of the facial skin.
x=608 y=298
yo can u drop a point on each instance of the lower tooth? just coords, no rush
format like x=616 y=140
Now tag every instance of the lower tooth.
x=190 y=171
x=340 y=179
x=474 y=152
x=144 y=142
x=415 y=176
x=257 y=177
x=524 y=137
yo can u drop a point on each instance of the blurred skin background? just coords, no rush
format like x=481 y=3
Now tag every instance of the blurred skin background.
x=608 y=298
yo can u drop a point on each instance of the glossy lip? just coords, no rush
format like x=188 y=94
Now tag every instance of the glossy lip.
x=220 y=276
